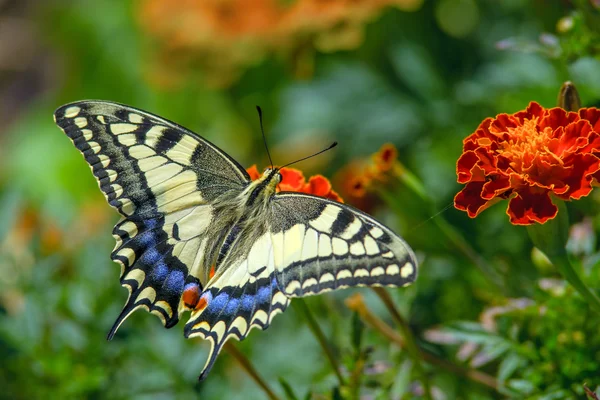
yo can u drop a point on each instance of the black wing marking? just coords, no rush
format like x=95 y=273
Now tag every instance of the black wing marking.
x=162 y=178
x=291 y=259
x=243 y=297
x=325 y=245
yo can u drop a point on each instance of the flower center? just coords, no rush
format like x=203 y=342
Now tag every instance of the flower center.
x=524 y=143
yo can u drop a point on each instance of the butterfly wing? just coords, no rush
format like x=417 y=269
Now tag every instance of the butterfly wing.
x=307 y=245
x=323 y=245
x=162 y=178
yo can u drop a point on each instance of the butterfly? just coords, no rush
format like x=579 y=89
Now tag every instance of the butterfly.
x=197 y=235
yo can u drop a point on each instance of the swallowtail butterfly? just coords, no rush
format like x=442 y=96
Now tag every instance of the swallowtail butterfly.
x=197 y=235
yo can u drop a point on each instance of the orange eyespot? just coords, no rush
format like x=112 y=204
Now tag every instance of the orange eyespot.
x=192 y=299
x=191 y=295
x=212 y=272
x=202 y=303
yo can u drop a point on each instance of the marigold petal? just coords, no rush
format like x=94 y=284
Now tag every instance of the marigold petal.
x=593 y=143
x=253 y=172
x=556 y=117
x=587 y=166
x=500 y=126
x=317 y=185
x=483 y=130
x=488 y=160
x=333 y=195
x=465 y=165
x=495 y=187
x=546 y=172
x=592 y=115
x=533 y=110
x=573 y=137
x=292 y=180
x=528 y=207
x=469 y=199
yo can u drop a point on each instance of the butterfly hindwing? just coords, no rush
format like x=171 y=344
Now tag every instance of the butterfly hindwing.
x=308 y=245
x=243 y=294
x=162 y=178
x=233 y=310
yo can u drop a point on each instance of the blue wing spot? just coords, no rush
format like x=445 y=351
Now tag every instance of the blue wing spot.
x=150 y=223
x=146 y=239
x=150 y=257
x=159 y=272
x=247 y=302
x=232 y=306
x=264 y=294
x=218 y=303
x=175 y=282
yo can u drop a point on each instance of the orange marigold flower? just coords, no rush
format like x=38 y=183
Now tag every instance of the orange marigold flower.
x=527 y=156
x=386 y=157
x=293 y=181
x=360 y=179
x=253 y=172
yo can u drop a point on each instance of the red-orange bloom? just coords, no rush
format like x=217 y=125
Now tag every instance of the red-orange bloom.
x=385 y=158
x=293 y=181
x=527 y=156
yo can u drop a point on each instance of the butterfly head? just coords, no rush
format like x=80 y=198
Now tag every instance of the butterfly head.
x=272 y=175
x=263 y=188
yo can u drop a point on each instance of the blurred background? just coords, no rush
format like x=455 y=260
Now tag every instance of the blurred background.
x=420 y=75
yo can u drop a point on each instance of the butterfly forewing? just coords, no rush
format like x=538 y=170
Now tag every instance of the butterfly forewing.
x=162 y=178
x=324 y=245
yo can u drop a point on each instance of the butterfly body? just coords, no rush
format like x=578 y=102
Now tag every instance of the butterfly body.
x=197 y=235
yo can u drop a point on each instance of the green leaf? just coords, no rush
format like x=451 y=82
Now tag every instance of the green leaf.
x=287 y=389
x=508 y=366
x=401 y=384
x=522 y=386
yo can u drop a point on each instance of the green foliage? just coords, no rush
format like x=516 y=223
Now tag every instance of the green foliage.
x=422 y=80
x=536 y=349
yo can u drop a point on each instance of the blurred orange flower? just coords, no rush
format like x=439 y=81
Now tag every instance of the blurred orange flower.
x=222 y=36
x=358 y=178
x=526 y=157
x=293 y=181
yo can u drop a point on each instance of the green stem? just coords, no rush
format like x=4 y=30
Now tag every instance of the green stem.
x=568 y=272
x=409 y=339
x=300 y=305
x=249 y=368
x=411 y=180
x=551 y=238
x=357 y=304
x=458 y=240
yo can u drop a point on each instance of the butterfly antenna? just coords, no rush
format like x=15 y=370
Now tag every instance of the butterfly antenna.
x=260 y=118
x=331 y=146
